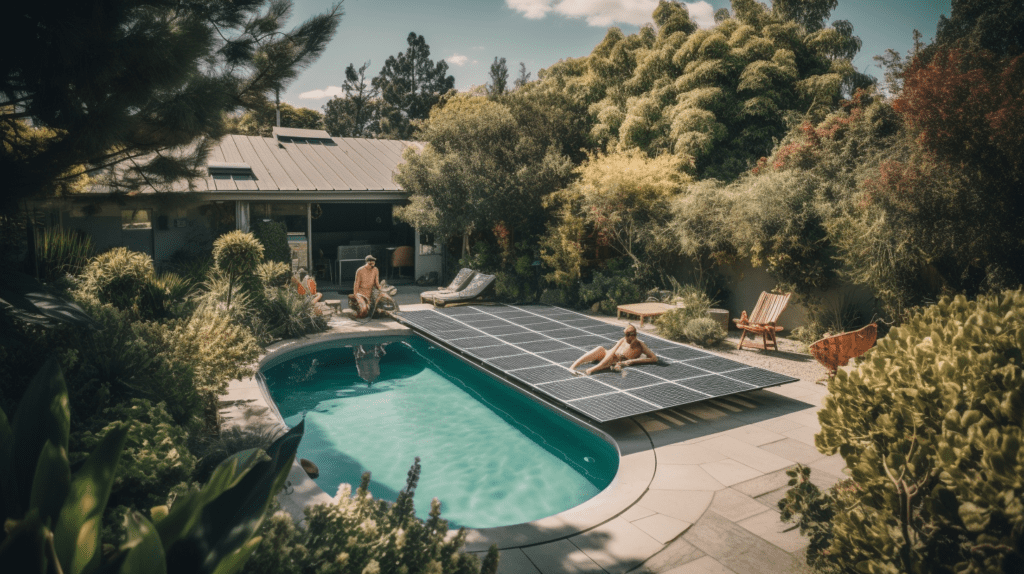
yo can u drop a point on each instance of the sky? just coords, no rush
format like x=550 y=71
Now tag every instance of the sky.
x=469 y=34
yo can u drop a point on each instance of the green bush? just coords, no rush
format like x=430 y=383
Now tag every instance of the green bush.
x=155 y=456
x=274 y=238
x=930 y=422
x=554 y=297
x=704 y=331
x=237 y=254
x=121 y=278
x=611 y=290
x=357 y=534
x=283 y=313
x=63 y=252
x=273 y=274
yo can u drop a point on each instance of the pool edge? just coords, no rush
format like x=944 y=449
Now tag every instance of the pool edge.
x=632 y=478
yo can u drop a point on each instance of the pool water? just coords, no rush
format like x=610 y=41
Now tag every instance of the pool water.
x=492 y=456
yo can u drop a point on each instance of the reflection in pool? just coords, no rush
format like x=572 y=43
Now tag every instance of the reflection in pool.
x=491 y=455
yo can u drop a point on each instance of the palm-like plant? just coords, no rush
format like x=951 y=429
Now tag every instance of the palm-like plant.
x=237 y=254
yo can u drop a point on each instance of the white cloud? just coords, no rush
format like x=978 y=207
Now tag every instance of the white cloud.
x=532 y=9
x=457 y=59
x=329 y=92
x=604 y=13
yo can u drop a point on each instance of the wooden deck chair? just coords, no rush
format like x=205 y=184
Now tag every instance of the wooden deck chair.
x=480 y=289
x=837 y=350
x=762 y=319
x=462 y=279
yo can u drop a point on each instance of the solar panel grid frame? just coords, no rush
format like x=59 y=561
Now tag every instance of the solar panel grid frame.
x=630 y=399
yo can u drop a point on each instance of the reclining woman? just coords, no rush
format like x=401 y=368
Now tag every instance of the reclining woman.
x=628 y=351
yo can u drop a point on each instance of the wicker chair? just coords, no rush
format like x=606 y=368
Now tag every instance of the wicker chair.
x=402 y=257
x=762 y=319
x=837 y=350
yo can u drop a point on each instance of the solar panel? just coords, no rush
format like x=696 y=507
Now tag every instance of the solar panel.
x=535 y=345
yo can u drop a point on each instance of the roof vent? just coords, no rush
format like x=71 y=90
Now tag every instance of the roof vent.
x=296 y=135
x=224 y=170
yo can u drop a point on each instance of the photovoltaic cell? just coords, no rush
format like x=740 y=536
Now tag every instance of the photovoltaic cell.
x=516 y=362
x=577 y=388
x=668 y=395
x=535 y=344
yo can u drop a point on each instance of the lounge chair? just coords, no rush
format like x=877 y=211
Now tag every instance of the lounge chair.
x=837 y=350
x=762 y=319
x=462 y=279
x=480 y=289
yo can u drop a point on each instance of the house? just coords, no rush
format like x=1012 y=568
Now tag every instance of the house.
x=335 y=196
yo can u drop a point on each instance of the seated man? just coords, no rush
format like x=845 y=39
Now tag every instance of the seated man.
x=367 y=279
x=628 y=351
x=308 y=284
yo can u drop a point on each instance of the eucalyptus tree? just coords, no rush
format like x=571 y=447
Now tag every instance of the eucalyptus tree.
x=499 y=77
x=139 y=84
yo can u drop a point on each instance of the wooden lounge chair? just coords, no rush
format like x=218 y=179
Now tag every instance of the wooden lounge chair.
x=480 y=289
x=762 y=319
x=837 y=350
x=462 y=279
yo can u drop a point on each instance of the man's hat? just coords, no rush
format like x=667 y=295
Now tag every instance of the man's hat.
x=370 y=258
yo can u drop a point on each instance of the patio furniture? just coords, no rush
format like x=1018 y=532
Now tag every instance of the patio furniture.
x=351 y=254
x=643 y=310
x=836 y=350
x=480 y=289
x=762 y=319
x=402 y=257
x=461 y=280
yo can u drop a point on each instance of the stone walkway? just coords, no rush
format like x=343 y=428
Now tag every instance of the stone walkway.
x=708 y=501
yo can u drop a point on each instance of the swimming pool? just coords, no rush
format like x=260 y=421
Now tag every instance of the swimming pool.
x=490 y=454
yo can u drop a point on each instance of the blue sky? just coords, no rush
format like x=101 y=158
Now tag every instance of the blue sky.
x=469 y=34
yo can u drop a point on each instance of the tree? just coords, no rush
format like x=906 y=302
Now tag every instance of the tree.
x=410 y=84
x=261 y=121
x=141 y=85
x=524 y=76
x=353 y=115
x=499 y=78
x=484 y=165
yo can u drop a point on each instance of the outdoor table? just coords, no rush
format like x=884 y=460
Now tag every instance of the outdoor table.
x=643 y=310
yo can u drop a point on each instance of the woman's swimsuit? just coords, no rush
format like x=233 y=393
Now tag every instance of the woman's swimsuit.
x=634 y=352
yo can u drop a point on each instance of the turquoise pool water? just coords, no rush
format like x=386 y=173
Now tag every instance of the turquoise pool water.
x=492 y=456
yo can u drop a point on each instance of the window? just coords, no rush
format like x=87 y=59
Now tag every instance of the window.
x=136 y=219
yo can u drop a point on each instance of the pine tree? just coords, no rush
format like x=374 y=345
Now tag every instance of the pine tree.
x=524 y=76
x=143 y=86
x=353 y=114
x=410 y=83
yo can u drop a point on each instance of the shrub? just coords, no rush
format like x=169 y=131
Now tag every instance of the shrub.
x=63 y=252
x=609 y=291
x=237 y=254
x=704 y=331
x=273 y=274
x=155 y=456
x=283 y=313
x=554 y=297
x=930 y=424
x=274 y=238
x=359 y=534
x=119 y=277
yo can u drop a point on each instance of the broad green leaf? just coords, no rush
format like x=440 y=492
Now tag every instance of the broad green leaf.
x=236 y=560
x=43 y=414
x=145 y=551
x=77 y=533
x=186 y=513
x=51 y=483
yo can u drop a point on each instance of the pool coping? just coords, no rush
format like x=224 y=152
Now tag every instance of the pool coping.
x=637 y=463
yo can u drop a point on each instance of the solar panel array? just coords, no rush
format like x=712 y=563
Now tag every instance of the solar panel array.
x=536 y=344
